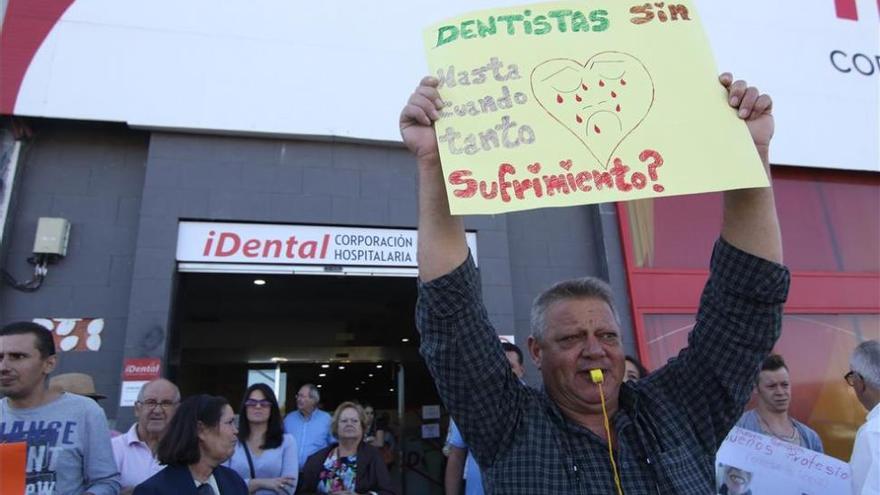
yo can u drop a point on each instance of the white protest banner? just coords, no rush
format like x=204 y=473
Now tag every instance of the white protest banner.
x=749 y=463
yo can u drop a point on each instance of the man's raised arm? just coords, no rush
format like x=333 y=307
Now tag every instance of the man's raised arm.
x=740 y=315
x=459 y=344
x=442 y=245
x=750 y=222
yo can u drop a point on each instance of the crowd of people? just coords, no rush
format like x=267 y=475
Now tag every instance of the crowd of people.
x=202 y=445
x=198 y=445
x=600 y=424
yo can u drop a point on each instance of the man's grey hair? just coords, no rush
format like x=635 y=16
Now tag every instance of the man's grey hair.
x=577 y=288
x=865 y=361
x=143 y=390
x=313 y=391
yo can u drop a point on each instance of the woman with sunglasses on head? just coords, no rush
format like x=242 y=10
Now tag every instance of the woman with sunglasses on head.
x=200 y=437
x=265 y=457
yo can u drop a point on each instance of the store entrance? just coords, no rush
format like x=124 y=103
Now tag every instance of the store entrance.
x=352 y=336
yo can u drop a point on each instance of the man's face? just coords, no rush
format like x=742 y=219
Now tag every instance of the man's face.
x=580 y=335
x=774 y=390
x=304 y=401
x=515 y=365
x=218 y=442
x=857 y=383
x=155 y=409
x=22 y=369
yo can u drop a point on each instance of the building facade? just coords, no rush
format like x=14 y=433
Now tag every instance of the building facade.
x=142 y=170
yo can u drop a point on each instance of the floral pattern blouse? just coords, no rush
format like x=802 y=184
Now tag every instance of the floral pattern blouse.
x=339 y=474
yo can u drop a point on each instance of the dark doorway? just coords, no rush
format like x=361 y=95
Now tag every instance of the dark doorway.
x=349 y=335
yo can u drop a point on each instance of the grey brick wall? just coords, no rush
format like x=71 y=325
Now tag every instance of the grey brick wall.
x=125 y=193
x=92 y=175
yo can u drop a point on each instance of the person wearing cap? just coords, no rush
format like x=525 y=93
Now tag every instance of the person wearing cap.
x=68 y=441
x=135 y=450
x=75 y=383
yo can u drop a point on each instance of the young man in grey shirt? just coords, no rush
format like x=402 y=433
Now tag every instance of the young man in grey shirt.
x=68 y=441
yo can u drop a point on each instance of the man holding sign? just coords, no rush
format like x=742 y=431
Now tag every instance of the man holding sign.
x=662 y=431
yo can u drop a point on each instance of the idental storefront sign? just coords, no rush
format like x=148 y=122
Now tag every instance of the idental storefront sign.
x=298 y=244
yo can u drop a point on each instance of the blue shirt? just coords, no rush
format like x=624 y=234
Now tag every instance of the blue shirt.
x=311 y=435
x=474 y=485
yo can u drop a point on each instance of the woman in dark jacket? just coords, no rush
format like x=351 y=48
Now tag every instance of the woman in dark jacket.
x=350 y=466
x=201 y=436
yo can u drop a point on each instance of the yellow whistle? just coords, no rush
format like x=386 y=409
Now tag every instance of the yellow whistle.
x=597 y=376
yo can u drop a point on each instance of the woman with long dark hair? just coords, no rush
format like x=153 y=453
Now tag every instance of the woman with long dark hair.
x=200 y=437
x=265 y=456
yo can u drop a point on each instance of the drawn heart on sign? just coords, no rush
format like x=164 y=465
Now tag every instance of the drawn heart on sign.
x=600 y=101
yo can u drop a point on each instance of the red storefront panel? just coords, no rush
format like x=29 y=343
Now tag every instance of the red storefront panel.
x=831 y=236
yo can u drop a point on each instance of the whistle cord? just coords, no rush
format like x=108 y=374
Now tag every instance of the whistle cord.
x=608 y=433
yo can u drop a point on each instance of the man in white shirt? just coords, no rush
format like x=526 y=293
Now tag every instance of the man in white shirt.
x=864 y=378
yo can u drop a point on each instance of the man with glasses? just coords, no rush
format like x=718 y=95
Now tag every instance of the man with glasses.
x=864 y=378
x=309 y=425
x=68 y=442
x=135 y=451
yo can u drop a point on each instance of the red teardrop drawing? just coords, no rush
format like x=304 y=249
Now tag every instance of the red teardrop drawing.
x=559 y=99
x=601 y=126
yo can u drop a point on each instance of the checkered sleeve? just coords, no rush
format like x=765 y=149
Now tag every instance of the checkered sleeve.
x=738 y=322
x=464 y=355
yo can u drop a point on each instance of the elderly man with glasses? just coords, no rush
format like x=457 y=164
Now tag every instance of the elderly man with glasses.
x=864 y=378
x=135 y=451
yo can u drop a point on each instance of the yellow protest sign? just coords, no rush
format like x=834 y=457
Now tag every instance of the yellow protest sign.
x=558 y=104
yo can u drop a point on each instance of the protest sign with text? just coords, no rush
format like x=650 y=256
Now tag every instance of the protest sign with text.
x=558 y=104
x=749 y=462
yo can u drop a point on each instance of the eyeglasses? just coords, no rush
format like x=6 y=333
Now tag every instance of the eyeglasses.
x=152 y=404
x=851 y=378
x=257 y=403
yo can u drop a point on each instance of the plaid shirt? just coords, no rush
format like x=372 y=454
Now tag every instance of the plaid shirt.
x=668 y=425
